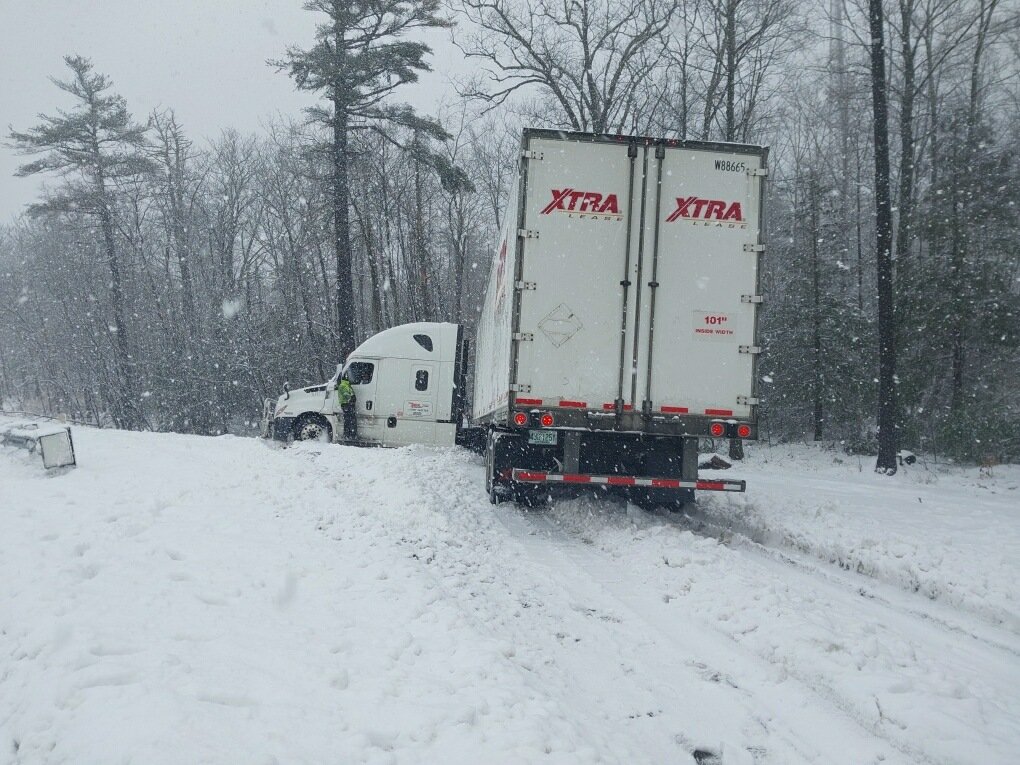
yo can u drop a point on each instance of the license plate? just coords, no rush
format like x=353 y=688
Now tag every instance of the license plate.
x=542 y=437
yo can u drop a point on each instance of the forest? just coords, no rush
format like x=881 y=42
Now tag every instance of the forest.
x=172 y=281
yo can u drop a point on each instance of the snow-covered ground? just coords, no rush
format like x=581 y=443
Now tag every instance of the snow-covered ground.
x=187 y=599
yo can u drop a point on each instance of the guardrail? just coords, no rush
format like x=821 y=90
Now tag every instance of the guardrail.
x=52 y=442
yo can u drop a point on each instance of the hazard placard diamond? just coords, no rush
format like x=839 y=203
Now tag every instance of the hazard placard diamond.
x=560 y=325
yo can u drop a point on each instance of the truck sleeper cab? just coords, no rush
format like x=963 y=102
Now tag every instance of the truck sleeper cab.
x=408 y=387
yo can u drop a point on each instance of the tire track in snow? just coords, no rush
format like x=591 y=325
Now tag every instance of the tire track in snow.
x=480 y=562
x=448 y=532
x=875 y=530
x=623 y=588
x=736 y=538
x=635 y=660
x=938 y=640
x=556 y=635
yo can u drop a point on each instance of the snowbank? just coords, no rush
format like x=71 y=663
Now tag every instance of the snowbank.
x=189 y=599
x=949 y=533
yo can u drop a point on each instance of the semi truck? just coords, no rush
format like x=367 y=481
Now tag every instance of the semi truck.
x=409 y=388
x=619 y=326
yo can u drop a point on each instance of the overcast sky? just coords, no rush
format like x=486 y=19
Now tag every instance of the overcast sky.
x=204 y=58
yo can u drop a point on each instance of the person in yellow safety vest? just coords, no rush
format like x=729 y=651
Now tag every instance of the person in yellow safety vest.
x=346 y=399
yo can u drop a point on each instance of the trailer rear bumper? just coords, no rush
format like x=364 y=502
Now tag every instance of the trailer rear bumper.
x=537 y=476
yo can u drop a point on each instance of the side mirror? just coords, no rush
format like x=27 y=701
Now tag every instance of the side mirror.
x=286 y=390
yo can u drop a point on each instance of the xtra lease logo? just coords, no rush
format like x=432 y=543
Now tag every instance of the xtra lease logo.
x=584 y=204
x=708 y=212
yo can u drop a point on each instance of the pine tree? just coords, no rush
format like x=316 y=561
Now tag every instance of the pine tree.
x=358 y=60
x=94 y=146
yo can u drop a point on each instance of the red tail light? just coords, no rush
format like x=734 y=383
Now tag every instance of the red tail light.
x=547 y=420
x=520 y=419
x=717 y=429
x=743 y=430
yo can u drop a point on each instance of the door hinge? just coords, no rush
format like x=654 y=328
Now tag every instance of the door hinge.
x=752 y=299
x=532 y=154
x=754 y=247
x=527 y=233
x=747 y=401
x=523 y=336
x=758 y=172
x=752 y=349
x=520 y=388
x=525 y=285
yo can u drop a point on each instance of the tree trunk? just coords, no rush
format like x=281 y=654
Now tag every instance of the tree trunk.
x=816 y=313
x=906 y=185
x=860 y=238
x=314 y=350
x=375 y=299
x=342 y=232
x=963 y=197
x=731 y=66
x=419 y=248
x=128 y=399
x=457 y=220
x=887 y=405
x=180 y=236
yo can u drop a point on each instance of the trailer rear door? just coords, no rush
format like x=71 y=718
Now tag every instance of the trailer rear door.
x=581 y=199
x=699 y=282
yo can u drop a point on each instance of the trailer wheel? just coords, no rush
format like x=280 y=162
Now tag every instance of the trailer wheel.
x=499 y=490
x=490 y=473
x=313 y=427
x=496 y=497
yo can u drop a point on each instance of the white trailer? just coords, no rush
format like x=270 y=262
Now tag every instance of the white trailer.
x=620 y=318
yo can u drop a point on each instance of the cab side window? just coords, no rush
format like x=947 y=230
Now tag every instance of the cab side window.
x=360 y=372
x=421 y=379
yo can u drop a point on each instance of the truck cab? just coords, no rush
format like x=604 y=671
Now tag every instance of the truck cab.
x=408 y=383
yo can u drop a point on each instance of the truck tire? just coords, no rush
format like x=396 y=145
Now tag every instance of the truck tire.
x=313 y=427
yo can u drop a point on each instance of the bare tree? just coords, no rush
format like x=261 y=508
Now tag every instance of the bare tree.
x=178 y=190
x=742 y=41
x=586 y=57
